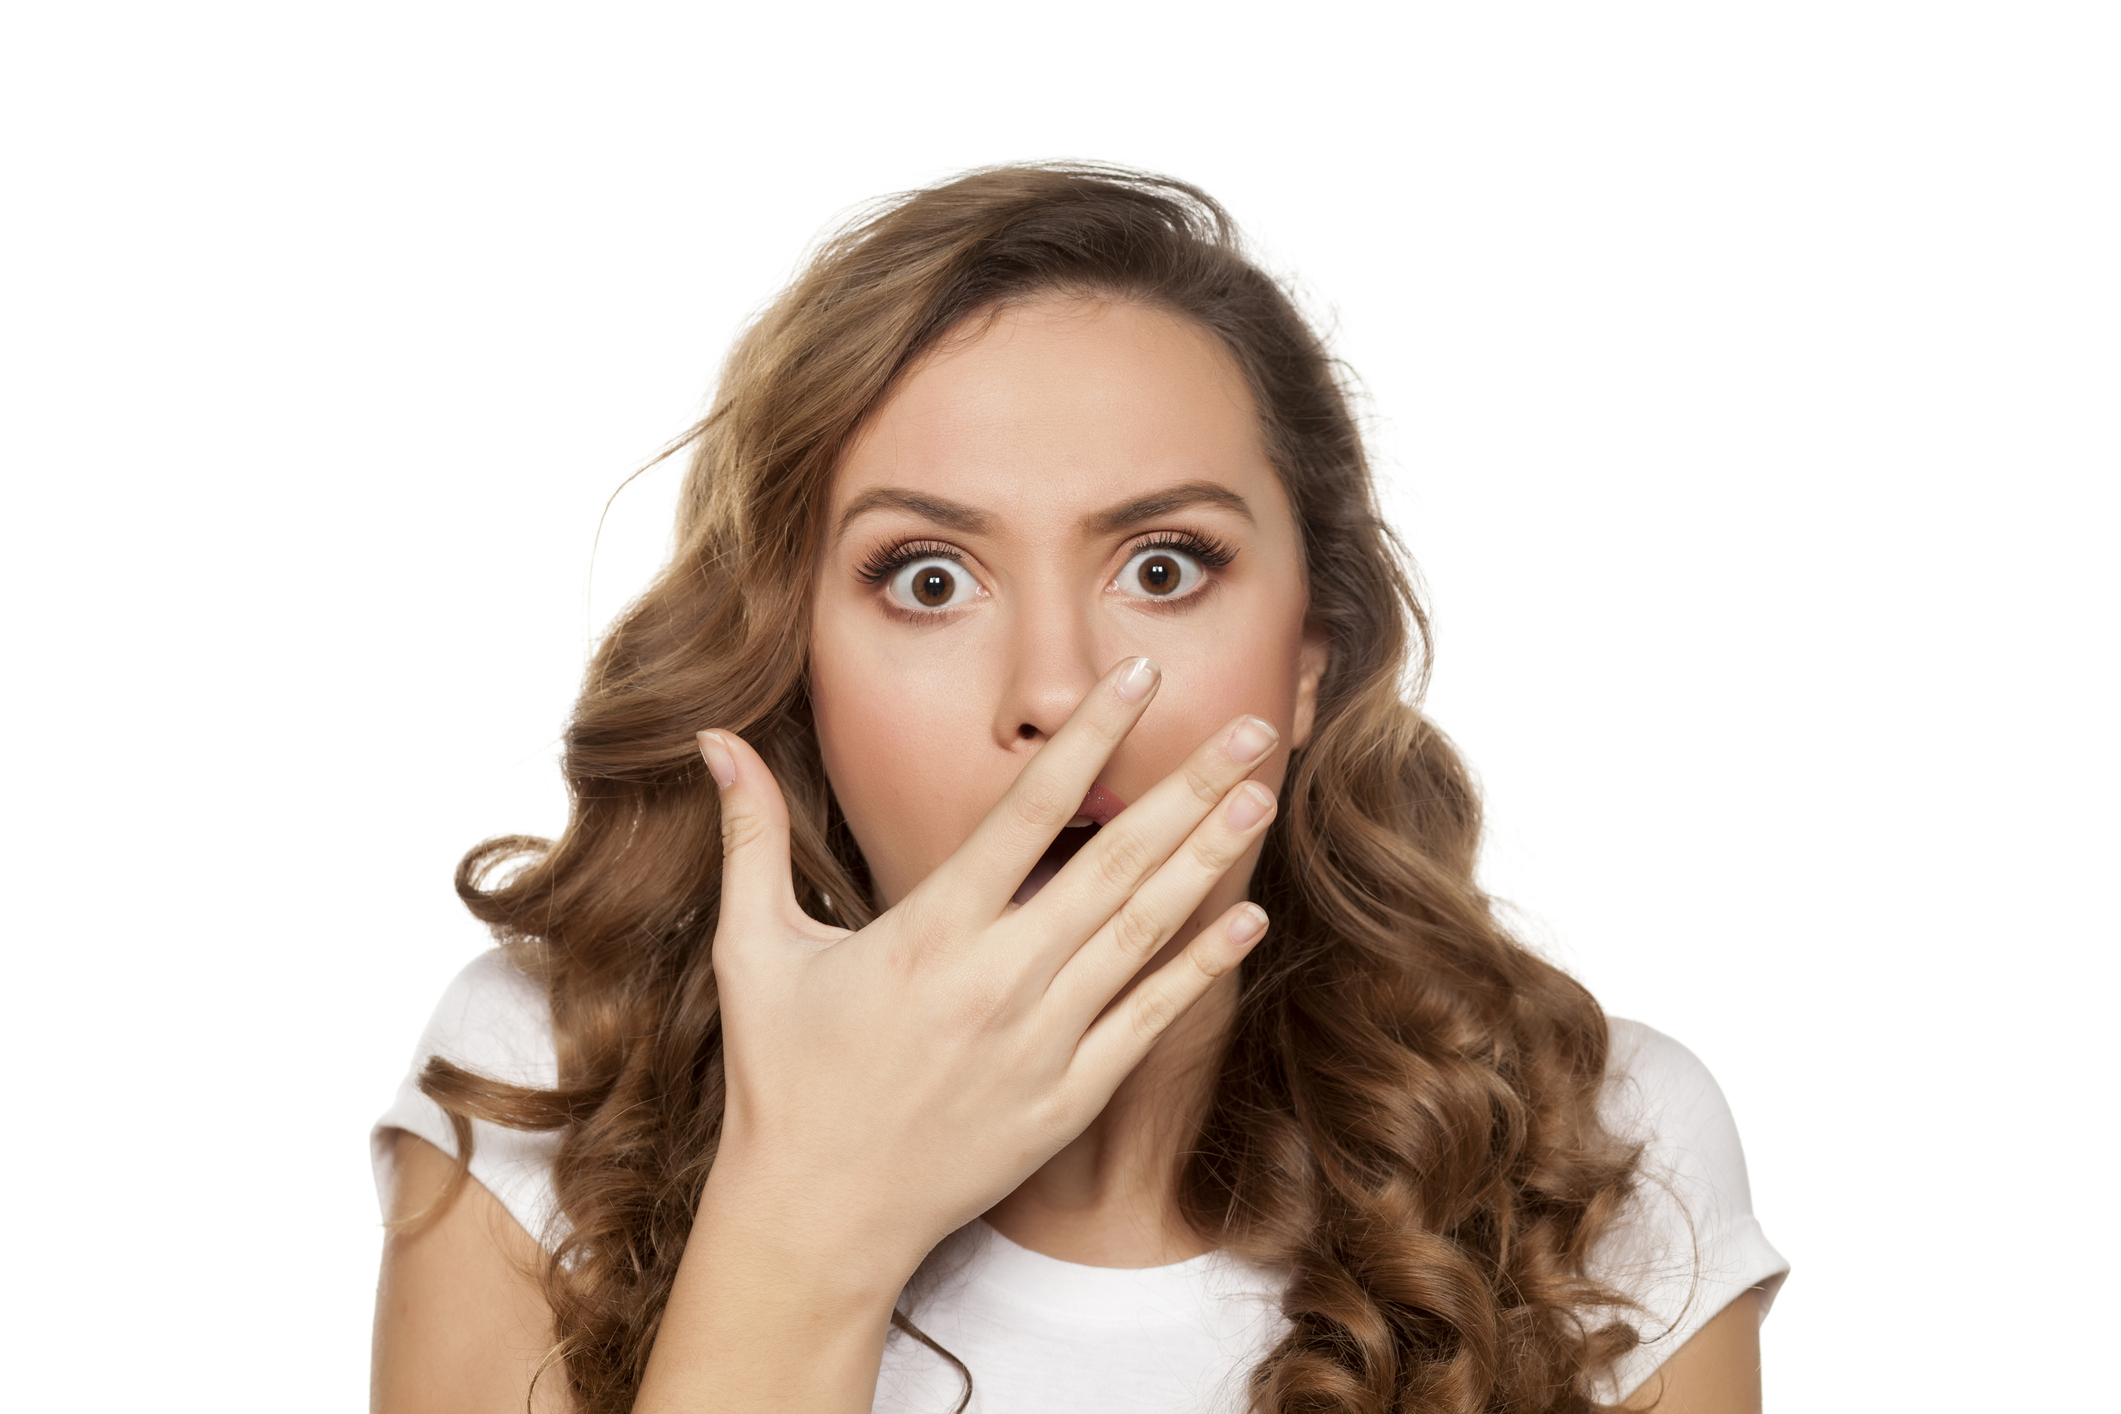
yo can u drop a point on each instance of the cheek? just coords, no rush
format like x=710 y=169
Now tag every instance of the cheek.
x=897 y=731
x=1207 y=683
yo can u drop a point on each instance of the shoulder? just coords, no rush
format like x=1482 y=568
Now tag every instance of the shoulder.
x=496 y=1021
x=1658 y=1093
x=1688 y=1241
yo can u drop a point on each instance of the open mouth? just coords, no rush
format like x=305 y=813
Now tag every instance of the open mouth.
x=1096 y=811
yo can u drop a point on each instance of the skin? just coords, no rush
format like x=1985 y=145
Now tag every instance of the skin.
x=1053 y=419
x=460 y=1322
x=461 y=1325
x=1060 y=1050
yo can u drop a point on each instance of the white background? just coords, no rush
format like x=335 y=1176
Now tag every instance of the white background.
x=1746 y=385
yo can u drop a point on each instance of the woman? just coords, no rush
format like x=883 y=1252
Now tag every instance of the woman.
x=1088 y=1003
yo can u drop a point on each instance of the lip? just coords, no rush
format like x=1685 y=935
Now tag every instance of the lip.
x=1098 y=808
x=1096 y=811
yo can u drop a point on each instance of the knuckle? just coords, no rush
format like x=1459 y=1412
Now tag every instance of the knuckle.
x=733 y=971
x=1036 y=802
x=1052 y=1116
x=1154 y=1012
x=1135 y=933
x=1208 y=964
x=981 y=1005
x=1213 y=851
x=1206 y=789
x=929 y=929
x=900 y=971
x=740 y=830
x=1121 y=858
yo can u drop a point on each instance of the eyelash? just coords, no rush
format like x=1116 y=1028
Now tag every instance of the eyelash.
x=1213 y=554
x=889 y=560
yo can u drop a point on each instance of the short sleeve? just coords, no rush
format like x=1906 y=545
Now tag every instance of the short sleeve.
x=497 y=1022
x=1689 y=1243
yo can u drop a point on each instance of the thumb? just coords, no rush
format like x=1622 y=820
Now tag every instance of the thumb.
x=757 y=886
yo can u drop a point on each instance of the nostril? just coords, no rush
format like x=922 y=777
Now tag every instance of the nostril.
x=1026 y=731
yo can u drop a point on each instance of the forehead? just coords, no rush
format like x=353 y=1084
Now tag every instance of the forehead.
x=1065 y=405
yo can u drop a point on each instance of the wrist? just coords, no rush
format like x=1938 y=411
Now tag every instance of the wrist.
x=809 y=1239
x=771 y=1309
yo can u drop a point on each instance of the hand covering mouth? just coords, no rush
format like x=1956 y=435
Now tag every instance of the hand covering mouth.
x=1096 y=811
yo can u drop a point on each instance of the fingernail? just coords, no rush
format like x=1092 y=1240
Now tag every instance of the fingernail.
x=1249 y=805
x=720 y=763
x=1139 y=676
x=1249 y=922
x=1250 y=740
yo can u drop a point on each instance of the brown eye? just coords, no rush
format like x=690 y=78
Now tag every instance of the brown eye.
x=1161 y=572
x=1158 y=574
x=932 y=586
x=933 y=582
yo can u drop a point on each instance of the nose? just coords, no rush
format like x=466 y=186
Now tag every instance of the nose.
x=1052 y=663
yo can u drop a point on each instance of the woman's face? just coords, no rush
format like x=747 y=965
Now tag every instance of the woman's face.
x=1073 y=483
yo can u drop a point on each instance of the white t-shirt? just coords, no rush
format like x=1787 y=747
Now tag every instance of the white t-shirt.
x=1043 y=1336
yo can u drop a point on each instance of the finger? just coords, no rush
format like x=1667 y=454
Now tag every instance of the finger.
x=1045 y=795
x=757 y=886
x=1105 y=874
x=1094 y=974
x=1117 y=1042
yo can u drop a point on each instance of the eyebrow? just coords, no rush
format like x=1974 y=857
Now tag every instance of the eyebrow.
x=952 y=515
x=1162 y=503
x=971 y=520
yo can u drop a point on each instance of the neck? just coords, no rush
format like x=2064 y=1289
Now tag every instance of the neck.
x=1110 y=1198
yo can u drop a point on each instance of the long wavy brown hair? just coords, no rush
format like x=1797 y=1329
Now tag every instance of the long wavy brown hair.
x=1406 y=1116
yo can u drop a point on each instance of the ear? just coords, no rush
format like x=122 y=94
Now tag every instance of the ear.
x=1311 y=661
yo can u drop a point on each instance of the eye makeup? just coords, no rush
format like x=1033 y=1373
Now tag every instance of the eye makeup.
x=1163 y=568
x=1212 y=553
x=887 y=560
